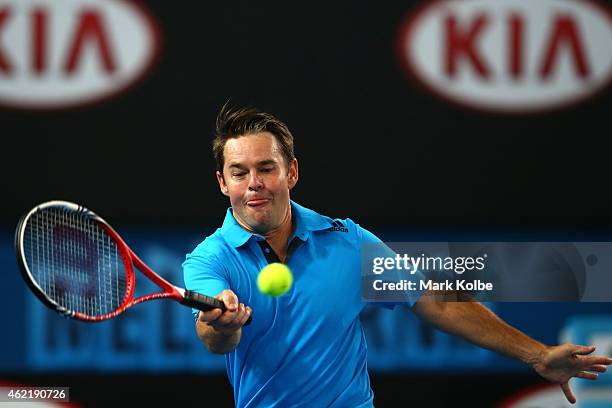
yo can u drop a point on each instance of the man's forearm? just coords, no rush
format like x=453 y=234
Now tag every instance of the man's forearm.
x=477 y=324
x=216 y=341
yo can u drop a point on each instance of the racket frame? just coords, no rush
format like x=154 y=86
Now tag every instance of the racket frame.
x=129 y=258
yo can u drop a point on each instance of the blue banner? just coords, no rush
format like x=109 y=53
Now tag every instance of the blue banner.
x=159 y=336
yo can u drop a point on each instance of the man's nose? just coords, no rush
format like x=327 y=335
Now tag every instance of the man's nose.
x=255 y=181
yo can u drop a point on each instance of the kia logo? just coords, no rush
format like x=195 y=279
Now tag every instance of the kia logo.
x=64 y=53
x=514 y=56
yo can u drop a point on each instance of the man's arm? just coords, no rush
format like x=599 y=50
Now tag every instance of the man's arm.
x=479 y=325
x=221 y=331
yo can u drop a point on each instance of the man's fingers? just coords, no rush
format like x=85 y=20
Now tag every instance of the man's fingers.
x=587 y=376
x=598 y=367
x=568 y=392
x=209 y=316
x=245 y=317
x=230 y=318
x=595 y=360
x=583 y=350
x=242 y=315
x=229 y=299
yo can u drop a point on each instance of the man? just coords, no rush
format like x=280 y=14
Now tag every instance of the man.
x=307 y=348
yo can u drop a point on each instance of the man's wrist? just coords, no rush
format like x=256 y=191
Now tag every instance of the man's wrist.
x=536 y=358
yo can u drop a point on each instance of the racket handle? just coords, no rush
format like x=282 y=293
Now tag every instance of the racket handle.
x=201 y=302
x=204 y=303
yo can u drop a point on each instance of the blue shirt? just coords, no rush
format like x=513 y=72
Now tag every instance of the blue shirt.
x=303 y=349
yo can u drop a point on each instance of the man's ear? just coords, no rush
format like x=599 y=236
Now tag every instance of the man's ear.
x=222 y=184
x=293 y=174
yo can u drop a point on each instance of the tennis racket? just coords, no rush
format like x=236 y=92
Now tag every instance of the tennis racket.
x=79 y=266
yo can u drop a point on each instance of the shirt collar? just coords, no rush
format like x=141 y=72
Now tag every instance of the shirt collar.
x=306 y=220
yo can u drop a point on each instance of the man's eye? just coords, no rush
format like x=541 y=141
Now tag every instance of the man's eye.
x=238 y=174
x=266 y=170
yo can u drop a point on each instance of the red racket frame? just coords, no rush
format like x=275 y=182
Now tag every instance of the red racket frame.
x=129 y=258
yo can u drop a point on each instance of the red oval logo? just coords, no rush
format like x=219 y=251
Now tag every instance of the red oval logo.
x=66 y=53
x=512 y=56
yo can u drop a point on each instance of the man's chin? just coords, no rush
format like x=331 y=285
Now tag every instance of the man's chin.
x=260 y=224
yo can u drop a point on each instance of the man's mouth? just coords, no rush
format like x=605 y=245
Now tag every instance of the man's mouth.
x=257 y=202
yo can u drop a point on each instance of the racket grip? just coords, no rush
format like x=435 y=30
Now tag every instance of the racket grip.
x=204 y=303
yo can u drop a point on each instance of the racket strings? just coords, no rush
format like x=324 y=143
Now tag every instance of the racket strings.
x=74 y=261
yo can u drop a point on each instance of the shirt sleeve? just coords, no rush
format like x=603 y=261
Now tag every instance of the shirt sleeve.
x=203 y=273
x=369 y=240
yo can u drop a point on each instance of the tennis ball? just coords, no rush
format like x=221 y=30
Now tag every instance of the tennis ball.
x=275 y=279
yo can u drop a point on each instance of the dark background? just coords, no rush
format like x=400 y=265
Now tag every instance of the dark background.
x=371 y=144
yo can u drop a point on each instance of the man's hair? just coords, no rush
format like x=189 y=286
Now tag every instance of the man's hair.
x=234 y=122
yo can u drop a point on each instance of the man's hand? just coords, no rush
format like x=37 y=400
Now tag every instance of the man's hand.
x=235 y=315
x=560 y=363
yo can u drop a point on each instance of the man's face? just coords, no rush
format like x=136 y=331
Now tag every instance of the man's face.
x=257 y=180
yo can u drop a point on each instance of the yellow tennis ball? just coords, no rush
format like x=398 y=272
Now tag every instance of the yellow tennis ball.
x=275 y=279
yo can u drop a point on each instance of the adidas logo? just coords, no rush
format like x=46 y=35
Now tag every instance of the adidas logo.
x=338 y=226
